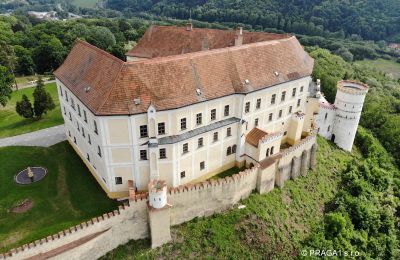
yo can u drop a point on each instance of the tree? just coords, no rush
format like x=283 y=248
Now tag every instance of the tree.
x=49 y=55
x=101 y=37
x=42 y=100
x=345 y=54
x=6 y=81
x=24 y=107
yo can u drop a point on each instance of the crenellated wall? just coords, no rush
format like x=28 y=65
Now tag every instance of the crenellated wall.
x=96 y=237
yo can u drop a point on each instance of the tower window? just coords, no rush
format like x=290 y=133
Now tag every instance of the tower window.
x=258 y=104
x=273 y=99
x=247 y=107
x=202 y=166
x=163 y=153
x=161 y=128
x=143 y=131
x=183 y=174
x=267 y=153
x=326 y=116
x=272 y=151
x=143 y=155
x=199 y=119
x=185 y=148
x=226 y=110
x=183 y=123
x=234 y=148
x=213 y=114
x=228 y=151
x=118 y=180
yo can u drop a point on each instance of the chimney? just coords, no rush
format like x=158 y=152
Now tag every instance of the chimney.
x=239 y=36
x=189 y=26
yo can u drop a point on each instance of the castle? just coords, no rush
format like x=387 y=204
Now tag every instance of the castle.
x=190 y=103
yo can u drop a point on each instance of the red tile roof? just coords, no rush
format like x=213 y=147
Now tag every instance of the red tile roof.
x=171 y=82
x=161 y=41
x=254 y=136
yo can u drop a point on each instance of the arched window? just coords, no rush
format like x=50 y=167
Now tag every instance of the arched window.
x=267 y=153
x=272 y=151
x=234 y=148
x=229 y=151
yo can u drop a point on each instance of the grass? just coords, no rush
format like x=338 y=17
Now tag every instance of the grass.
x=227 y=173
x=272 y=226
x=85 y=3
x=12 y=124
x=387 y=66
x=67 y=196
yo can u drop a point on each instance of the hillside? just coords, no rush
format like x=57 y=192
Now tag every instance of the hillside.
x=311 y=17
x=272 y=225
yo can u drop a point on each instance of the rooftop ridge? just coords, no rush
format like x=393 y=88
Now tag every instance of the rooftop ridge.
x=100 y=51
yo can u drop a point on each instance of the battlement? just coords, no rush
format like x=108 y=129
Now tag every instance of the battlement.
x=352 y=87
x=300 y=145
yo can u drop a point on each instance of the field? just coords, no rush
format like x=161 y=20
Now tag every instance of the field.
x=272 y=226
x=12 y=124
x=387 y=66
x=85 y=3
x=67 y=196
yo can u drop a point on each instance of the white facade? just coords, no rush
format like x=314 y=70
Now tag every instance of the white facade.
x=212 y=140
x=339 y=122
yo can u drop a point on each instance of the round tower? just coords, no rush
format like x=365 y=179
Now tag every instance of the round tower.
x=349 y=102
x=157 y=194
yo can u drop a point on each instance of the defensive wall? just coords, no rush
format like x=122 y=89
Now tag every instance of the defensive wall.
x=138 y=220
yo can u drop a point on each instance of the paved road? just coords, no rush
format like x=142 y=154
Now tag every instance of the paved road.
x=21 y=86
x=45 y=138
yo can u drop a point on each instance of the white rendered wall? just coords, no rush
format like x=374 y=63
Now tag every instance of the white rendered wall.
x=325 y=121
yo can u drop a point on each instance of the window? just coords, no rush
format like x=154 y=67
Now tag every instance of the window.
x=61 y=92
x=77 y=126
x=272 y=150
x=294 y=92
x=234 y=148
x=247 y=107
x=66 y=95
x=143 y=155
x=183 y=123
x=183 y=174
x=163 y=153
x=143 y=131
x=200 y=142
x=70 y=116
x=118 y=180
x=89 y=140
x=69 y=133
x=267 y=153
x=329 y=128
x=256 y=122
x=298 y=102
x=79 y=109
x=226 y=110
x=270 y=117
x=228 y=151
x=273 y=98
x=285 y=133
x=72 y=103
x=83 y=132
x=87 y=157
x=185 y=148
x=84 y=116
x=280 y=113
x=258 y=104
x=301 y=89
x=95 y=127
x=215 y=138
x=198 y=119
x=228 y=131
x=74 y=139
x=65 y=111
x=99 y=151
x=283 y=96
x=213 y=114
x=202 y=166
x=290 y=110
x=161 y=128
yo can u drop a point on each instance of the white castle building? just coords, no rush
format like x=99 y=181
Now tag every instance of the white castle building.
x=190 y=103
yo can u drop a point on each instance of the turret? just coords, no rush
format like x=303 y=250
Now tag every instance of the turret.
x=349 y=102
x=157 y=194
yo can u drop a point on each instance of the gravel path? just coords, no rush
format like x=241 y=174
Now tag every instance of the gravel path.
x=45 y=138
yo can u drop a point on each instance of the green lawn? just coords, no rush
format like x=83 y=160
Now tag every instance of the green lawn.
x=227 y=173
x=387 y=66
x=272 y=226
x=67 y=196
x=12 y=124
x=85 y=3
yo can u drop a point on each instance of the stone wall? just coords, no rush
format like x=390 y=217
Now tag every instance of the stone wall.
x=96 y=237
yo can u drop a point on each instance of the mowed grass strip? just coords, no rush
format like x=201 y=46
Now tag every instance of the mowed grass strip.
x=67 y=196
x=272 y=226
x=12 y=124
